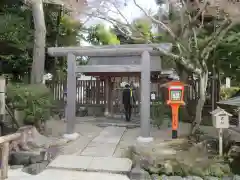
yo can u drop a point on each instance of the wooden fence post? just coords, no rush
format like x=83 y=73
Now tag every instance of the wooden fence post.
x=4 y=160
x=4 y=145
x=2 y=98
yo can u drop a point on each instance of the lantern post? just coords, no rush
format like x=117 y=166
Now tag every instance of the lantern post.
x=175 y=100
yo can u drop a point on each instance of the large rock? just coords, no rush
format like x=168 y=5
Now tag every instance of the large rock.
x=36 y=168
x=25 y=158
x=31 y=138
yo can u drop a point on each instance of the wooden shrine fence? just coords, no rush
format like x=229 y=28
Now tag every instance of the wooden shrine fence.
x=92 y=92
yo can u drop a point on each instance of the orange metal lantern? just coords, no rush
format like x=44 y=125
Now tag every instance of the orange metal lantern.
x=175 y=99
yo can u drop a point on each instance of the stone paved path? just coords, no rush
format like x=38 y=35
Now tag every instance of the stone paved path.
x=92 y=161
x=97 y=156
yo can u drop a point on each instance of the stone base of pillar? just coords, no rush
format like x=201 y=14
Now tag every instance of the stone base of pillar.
x=141 y=139
x=71 y=137
x=107 y=114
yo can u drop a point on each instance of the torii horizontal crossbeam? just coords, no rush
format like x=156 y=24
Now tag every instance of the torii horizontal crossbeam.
x=108 y=68
x=118 y=50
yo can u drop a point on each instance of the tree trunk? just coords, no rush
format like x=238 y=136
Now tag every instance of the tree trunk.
x=186 y=111
x=39 y=42
x=203 y=80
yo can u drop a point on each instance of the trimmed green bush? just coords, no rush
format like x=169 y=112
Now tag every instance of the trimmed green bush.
x=34 y=99
x=226 y=93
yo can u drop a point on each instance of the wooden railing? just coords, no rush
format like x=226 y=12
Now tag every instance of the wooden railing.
x=4 y=143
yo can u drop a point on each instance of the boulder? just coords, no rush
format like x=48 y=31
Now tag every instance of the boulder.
x=138 y=173
x=24 y=158
x=36 y=168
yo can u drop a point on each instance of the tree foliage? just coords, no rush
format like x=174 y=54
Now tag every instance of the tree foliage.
x=228 y=55
x=100 y=35
x=16 y=36
x=16 y=39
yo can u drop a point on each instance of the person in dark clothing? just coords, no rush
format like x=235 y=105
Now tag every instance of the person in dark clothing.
x=128 y=100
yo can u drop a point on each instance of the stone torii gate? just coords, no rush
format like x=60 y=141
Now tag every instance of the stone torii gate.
x=144 y=66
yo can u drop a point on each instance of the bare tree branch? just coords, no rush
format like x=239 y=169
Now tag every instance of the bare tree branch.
x=121 y=14
x=155 y=20
x=180 y=59
x=201 y=11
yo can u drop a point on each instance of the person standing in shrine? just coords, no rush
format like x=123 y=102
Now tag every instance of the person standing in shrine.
x=128 y=101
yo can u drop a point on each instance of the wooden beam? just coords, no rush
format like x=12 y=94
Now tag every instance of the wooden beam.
x=120 y=50
x=4 y=141
x=108 y=68
x=10 y=137
x=4 y=160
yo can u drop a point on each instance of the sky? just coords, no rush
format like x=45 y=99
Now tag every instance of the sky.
x=133 y=12
x=130 y=11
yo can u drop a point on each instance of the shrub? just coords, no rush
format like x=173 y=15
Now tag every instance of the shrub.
x=226 y=93
x=34 y=99
x=159 y=113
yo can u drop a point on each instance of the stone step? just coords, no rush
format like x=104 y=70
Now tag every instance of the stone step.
x=92 y=164
x=57 y=174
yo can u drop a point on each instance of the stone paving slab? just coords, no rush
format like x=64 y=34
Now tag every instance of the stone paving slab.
x=92 y=164
x=51 y=174
x=77 y=146
x=110 y=164
x=71 y=162
x=105 y=143
x=110 y=135
x=99 y=150
x=16 y=174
